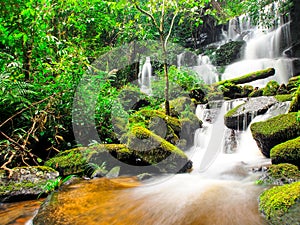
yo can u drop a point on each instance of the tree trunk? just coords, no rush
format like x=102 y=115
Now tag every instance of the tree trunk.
x=249 y=77
x=167 y=103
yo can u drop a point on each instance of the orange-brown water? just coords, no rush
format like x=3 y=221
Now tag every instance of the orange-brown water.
x=18 y=213
x=183 y=199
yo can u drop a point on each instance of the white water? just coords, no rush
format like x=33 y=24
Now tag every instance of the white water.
x=264 y=49
x=145 y=79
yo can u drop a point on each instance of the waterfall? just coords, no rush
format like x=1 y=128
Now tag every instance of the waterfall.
x=146 y=77
x=265 y=48
x=205 y=69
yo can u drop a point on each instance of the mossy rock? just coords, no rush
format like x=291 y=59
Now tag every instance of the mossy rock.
x=240 y=117
x=25 y=183
x=154 y=150
x=133 y=99
x=284 y=98
x=231 y=90
x=274 y=131
x=181 y=104
x=271 y=88
x=256 y=93
x=293 y=84
x=287 y=152
x=279 y=174
x=170 y=128
x=281 y=204
x=228 y=53
x=131 y=160
x=295 y=104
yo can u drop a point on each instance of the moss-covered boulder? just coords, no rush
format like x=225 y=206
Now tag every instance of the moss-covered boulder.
x=287 y=152
x=231 y=90
x=295 y=104
x=284 y=98
x=274 y=131
x=240 y=117
x=293 y=84
x=279 y=174
x=180 y=105
x=144 y=152
x=228 y=53
x=25 y=183
x=271 y=88
x=170 y=128
x=281 y=204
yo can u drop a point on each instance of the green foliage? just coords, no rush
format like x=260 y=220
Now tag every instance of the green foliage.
x=93 y=170
x=52 y=185
x=228 y=53
x=263 y=13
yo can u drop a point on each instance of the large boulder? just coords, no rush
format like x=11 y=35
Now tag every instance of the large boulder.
x=144 y=152
x=175 y=130
x=287 y=152
x=274 y=131
x=25 y=183
x=281 y=204
x=240 y=117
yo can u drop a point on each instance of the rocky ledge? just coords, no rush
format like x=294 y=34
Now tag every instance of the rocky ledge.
x=240 y=117
x=25 y=183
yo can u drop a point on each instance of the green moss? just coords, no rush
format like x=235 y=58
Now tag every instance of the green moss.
x=295 y=104
x=284 y=170
x=256 y=93
x=274 y=131
x=227 y=53
x=231 y=112
x=287 y=152
x=13 y=186
x=277 y=201
x=153 y=140
x=271 y=88
x=284 y=98
x=281 y=123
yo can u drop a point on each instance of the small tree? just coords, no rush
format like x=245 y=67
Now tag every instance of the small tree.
x=164 y=15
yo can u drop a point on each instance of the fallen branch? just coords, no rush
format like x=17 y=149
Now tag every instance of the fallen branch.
x=261 y=74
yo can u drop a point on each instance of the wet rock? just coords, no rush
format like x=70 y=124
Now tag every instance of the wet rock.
x=274 y=131
x=26 y=183
x=240 y=117
x=280 y=174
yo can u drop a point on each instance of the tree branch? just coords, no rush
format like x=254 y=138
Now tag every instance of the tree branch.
x=170 y=30
x=33 y=104
x=147 y=14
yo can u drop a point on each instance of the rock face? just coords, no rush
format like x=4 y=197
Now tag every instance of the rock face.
x=274 y=131
x=228 y=53
x=287 y=152
x=26 y=183
x=240 y=117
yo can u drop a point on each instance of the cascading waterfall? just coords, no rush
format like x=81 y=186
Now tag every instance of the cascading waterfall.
x=145 y=79
x=264 y=49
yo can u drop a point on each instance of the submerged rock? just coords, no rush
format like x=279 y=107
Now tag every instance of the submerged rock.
x=240 y=117
x=274 y=131
x=26 y=183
